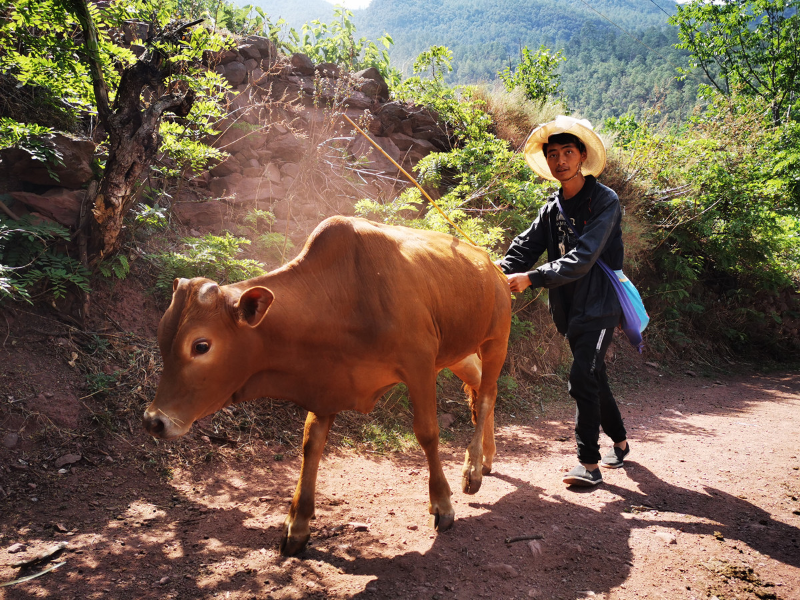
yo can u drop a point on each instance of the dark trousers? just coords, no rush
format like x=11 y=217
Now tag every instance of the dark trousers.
x=588 y=385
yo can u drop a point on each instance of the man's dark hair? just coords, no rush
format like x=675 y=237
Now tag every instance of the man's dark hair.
x=564 y=138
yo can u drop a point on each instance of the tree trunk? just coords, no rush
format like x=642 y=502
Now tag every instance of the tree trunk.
x=133 y=143
x=132 y=128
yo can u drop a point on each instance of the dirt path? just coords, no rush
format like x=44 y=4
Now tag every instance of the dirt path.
x=706 y=506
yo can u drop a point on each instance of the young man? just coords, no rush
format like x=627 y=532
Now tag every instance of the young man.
x=583 y=302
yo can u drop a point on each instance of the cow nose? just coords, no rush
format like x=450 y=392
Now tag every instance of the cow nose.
x=153 y=424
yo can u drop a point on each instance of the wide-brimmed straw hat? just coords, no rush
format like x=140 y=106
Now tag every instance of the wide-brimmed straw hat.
x=582 y=129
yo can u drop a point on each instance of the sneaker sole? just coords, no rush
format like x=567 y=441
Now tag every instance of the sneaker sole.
x=612 y=466
x=580 y=482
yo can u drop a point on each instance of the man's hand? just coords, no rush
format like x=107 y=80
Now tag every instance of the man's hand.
x=518 y=282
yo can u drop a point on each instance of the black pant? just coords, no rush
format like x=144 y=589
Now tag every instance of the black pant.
x=588 y=385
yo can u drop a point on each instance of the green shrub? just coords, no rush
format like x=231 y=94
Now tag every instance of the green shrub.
x=273 y=244
x=31 y=263
x=212 y=256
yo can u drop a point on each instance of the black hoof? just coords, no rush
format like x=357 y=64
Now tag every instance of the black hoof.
x=443 y=523
x=292 y=547
x=469 y=485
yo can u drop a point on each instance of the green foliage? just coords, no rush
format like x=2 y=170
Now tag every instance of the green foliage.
x=183 y=141
x=520 y=328
x=725 y=206
x=116 y=266
x=150 y=217
x=273 y=244
x=487 y=187
x=212 y=256
x=536 y=74
x=506 y=386
x=33 y=139
x=99 y=383
x=434 y=58
x=625 y=128
x=39 y=46
x=336 y=43
x=30 y=264
x=749 y=46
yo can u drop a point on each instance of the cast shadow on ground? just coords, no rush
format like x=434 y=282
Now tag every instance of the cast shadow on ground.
x=583 y=548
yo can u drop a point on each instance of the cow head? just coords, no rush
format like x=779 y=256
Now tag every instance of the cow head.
x=209 y=346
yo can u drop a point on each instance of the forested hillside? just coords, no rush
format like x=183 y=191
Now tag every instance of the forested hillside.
x=606 y=73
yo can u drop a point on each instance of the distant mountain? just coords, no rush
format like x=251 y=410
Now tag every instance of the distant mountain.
x=606 y=73
x=501 y=26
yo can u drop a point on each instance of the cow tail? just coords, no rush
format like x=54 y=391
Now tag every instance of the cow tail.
x=472 y=397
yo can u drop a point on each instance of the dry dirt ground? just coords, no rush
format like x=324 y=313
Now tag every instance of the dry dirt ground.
x=706 y=506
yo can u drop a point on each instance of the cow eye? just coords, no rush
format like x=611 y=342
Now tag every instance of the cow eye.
x=201 y=347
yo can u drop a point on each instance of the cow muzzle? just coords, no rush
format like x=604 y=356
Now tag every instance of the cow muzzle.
x=159 y=425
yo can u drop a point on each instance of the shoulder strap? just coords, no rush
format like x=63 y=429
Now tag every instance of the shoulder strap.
x=569 y=223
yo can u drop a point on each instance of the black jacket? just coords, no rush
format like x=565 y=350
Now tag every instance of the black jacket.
x=581 y=295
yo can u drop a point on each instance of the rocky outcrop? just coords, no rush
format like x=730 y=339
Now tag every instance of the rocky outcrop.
x=75 y=155
x=276 y=108
x=57 y=204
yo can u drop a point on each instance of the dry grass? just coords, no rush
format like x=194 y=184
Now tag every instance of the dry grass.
x=514 y=115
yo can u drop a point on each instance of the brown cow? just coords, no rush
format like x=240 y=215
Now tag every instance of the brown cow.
x=363 y=307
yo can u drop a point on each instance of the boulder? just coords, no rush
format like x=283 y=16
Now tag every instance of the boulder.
x=329 y=70
x=273 y=173
x=225 y=168
x=251 y=65
x=200 y=214
x=265 y=46
x=302 y=64
x=257 y=189
x=375 y=126
x=76 y=154
x=428 y=133
x=221 y=187
x=238 y=136
x=375 y=160
x=253 y=172
x=287 y=146
x=391 y=115
x=290 y=170
x=307 y=211
x=222 y=57
x=405 y=142
x=358 y=100
x=59 y=204
x=382 y=89
x=302 y=83
x=250 y=51
x=235 y=73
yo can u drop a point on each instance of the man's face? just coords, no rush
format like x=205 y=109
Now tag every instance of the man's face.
x=564 y=160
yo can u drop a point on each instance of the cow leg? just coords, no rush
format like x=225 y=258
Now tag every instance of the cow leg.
x=481 y=450
x=422 y=393
x=296 y=530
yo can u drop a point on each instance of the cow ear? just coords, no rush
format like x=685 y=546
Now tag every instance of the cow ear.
x=253 y=305
x=177 y=282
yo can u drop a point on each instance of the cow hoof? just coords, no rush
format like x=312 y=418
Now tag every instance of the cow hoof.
x=293 y=546
x=486 y=470
x=443 y=522
x=470 y=485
